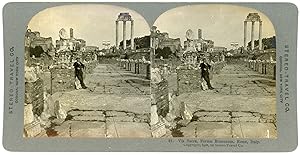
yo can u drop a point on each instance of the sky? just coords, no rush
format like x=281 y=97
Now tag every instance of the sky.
x=221 y=23
x=93 y=23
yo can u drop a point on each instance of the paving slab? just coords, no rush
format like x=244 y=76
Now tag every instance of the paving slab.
x=128 y=130
x=87 y=129
x=254 y=130
x=213 y=130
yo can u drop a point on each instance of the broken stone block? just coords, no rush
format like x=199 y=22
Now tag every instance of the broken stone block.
x=28 y=114
x=268 y=119
x=30 y=74
x=58 y=111
x=32 y=129
x=158 y=130
x=186 y=114
x=154 y=115
x=48 y=106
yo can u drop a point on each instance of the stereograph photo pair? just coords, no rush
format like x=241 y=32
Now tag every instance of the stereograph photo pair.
x=150 y=76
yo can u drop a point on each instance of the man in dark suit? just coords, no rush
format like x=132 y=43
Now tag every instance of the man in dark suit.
x=205 y=67
x=78 y=72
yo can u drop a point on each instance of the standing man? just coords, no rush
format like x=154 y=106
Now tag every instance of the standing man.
x=205 y=67
x=78 y=72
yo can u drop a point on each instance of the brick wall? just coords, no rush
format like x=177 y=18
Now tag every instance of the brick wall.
x=34 y=94
x=160 y=94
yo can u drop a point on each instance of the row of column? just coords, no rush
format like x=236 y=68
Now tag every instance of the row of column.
x=252 y=35
x=124 y=34
x=137 y=67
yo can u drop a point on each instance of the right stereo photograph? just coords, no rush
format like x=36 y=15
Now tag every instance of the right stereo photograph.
x=213 y=73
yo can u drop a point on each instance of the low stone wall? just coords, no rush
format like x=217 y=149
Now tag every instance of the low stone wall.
x=172 y=63
x=188 y=79
x=63 y=76
x=63 y=79
x=90 y=66
x=217 y=67
x=266 y=68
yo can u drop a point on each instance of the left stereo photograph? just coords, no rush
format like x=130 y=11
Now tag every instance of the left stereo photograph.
x=86 y=67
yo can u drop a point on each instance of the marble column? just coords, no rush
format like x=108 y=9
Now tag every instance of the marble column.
x=259 y=36
x=117 y=34
x=252 y=35
x=245 y=35
x=131 y=36
x=124 y=35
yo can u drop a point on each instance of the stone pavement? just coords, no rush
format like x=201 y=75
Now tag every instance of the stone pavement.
x=117 y=104
x=242 y=105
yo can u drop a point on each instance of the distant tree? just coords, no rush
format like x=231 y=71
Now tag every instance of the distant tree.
x=36 y=51
x=143 y=42
x=268 y=43
x=140 y=42
x=166 y=53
